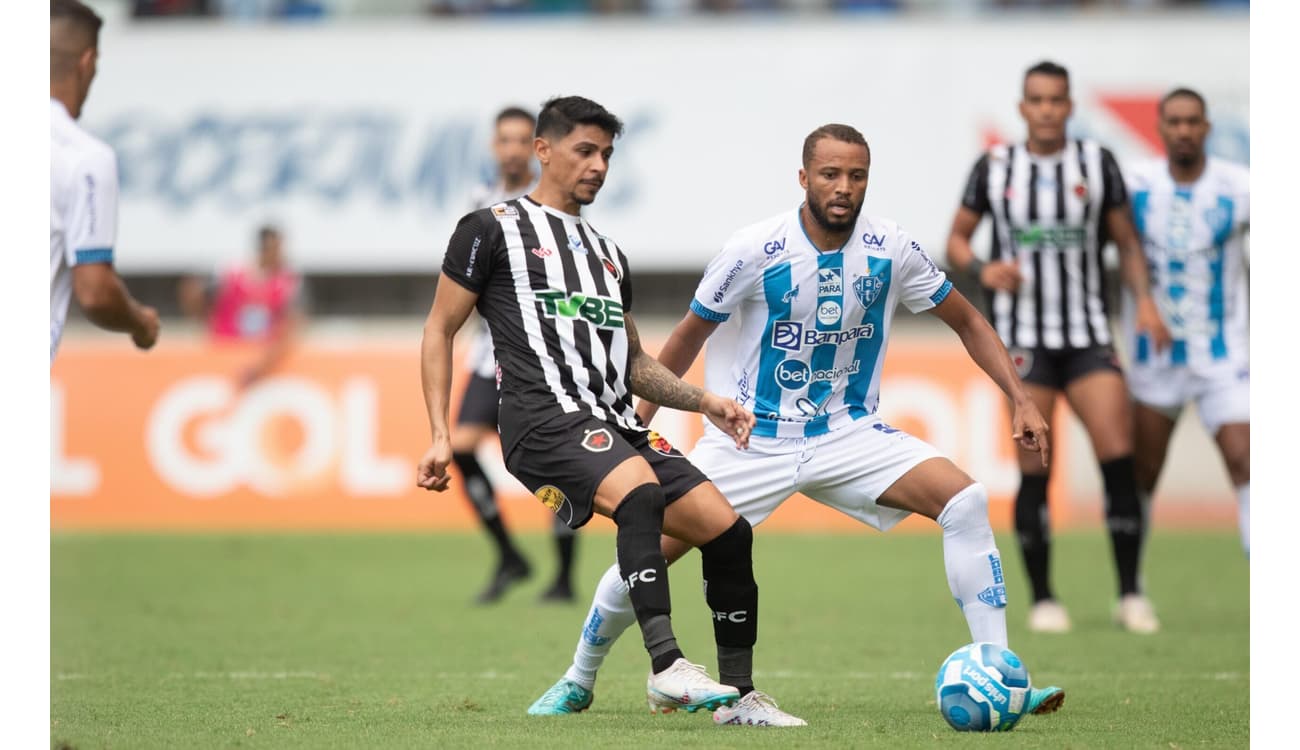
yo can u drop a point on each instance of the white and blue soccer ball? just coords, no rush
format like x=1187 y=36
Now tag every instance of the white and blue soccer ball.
x=982 y=687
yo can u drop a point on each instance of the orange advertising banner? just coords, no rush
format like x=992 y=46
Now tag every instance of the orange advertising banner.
x=167 y=440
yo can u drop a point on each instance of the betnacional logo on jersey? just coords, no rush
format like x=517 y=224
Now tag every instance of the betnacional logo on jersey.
x=575 y=244
x=790 y=335
x=867 y=289
x=541 y=252
x=609 y=266
x=829 y=282
x=795 y=375
x=599 y=311
x=551 y=496
x=719 y=295
x=660 y=445
x=1035 y=236
x=502 y=211
x=874 y=241
x=828 y=313
x=598 y=441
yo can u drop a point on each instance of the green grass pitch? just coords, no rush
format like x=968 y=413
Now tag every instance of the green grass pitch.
x=351 y=641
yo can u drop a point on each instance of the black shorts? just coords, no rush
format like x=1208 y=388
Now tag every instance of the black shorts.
x=479 y=404
x=565 y=460
x=1057 y=368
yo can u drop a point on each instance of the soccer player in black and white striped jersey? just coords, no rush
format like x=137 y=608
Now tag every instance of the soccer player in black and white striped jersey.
x=476 y=421
x=557 y=297
x=1054 y=203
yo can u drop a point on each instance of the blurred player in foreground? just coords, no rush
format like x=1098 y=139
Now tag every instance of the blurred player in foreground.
x=797 y=309
x=83 y=191
x=1054 y=202
x=512 y=147
x=558 y=298
x=258 y=302
x=1193 y=213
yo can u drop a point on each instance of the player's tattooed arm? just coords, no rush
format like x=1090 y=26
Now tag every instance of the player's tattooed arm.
x=653 y=382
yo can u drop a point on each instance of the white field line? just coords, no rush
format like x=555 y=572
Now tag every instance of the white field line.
x=780 y=674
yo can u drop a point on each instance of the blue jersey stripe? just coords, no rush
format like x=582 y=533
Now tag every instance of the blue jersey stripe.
x=1178 y=352
x=707 y=314
x=823 y=356
x=776 y=288
x=1140 y=200
x=94 y=255
x=867 y=350
x=1143 y=348
x=1218 y=342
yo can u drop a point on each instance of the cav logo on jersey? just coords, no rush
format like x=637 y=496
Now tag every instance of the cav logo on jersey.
x=599 y=311
x=598 y=441
x=829 y=282
x=660 y=445
x=867 y=289
x=874 y=241
x=552 y=497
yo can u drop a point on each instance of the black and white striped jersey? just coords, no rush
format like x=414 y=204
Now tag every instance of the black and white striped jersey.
x=1049 y=217
x=554 y=293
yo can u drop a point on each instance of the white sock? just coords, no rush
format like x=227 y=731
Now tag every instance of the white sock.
x=1243 y=515
x=970 y=556
x=611 y=613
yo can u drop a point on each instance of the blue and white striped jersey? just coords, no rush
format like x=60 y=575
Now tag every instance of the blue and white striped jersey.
x=803 y=332
x=1192 y=236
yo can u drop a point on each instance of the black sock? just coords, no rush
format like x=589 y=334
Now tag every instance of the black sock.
x=1124 y=520
x=732 y=596
x=1033 y=532
x=484 y=501
x=565 y=539
x=641 y=563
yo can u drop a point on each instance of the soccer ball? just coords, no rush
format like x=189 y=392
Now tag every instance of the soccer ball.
x=982 y=687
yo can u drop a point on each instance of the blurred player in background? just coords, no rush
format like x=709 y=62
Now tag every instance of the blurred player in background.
x=83 y=191
x=258 y=302
x=512 y=148
x=1193 y=213
x=1054 y=203
x=558 y=297
x=799 y=308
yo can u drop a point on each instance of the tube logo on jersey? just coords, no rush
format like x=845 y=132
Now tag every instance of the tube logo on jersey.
x=599 y=311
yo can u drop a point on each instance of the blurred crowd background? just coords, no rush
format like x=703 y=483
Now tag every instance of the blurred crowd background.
x=331 y=9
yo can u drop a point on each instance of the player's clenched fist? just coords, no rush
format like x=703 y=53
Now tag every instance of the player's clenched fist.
x=431 y=473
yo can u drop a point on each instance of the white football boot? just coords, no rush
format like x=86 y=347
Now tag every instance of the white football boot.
x=1048 y=616
x=757 y=710
x=1136 y=615
x=686 y=685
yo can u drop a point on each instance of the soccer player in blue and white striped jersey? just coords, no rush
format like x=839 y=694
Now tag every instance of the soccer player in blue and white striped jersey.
x=797 y=310
x=1193 y=212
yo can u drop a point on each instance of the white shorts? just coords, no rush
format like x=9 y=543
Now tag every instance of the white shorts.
x=1222 y=395
x=846 y=469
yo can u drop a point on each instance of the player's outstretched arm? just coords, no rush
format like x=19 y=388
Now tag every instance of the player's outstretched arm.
x=108 y=304
x=1133 y=267
x=982 y=343
x=652 y=381
x=452 y=304
x=679 y=352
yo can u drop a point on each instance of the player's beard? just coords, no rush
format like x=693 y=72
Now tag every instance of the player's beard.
x=819 y=215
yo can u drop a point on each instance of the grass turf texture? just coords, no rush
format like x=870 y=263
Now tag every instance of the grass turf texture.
x=370 y=641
